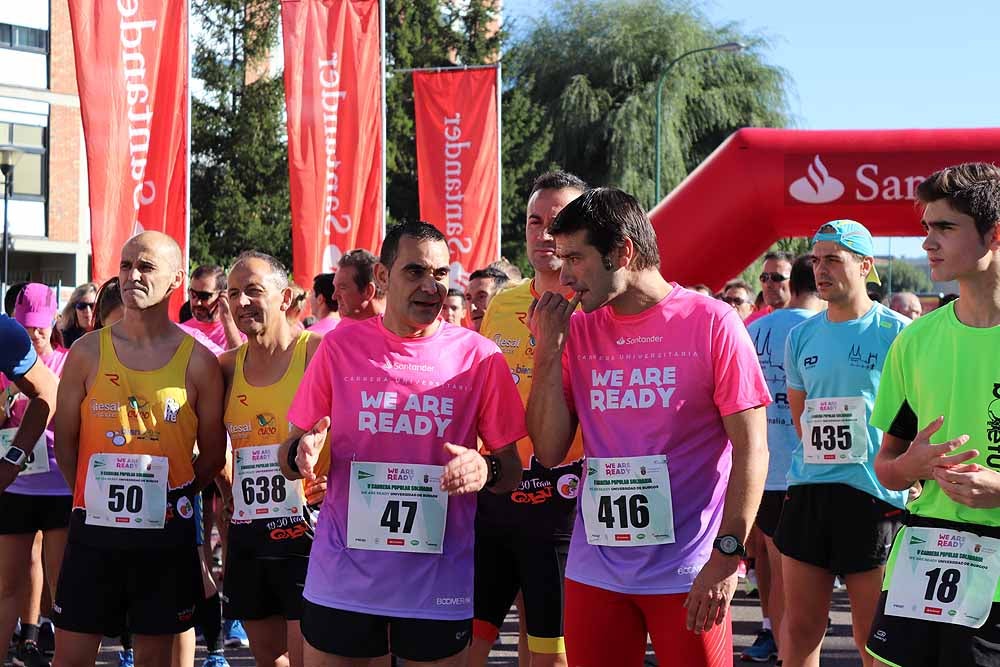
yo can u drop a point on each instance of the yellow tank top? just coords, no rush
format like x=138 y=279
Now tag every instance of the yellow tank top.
x=138 y=412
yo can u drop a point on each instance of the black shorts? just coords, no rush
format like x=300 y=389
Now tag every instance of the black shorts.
x=770 y=511
x=155 y=589
x=23 y=514
x=258 y=588
x=351 y=634
x=506 y=564
x=836 y=527
x=913 y=642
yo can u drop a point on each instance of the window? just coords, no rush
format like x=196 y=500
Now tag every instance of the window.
x=24 y=39
x=29 y=173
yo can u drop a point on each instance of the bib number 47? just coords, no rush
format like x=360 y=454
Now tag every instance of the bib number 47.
x=831 y=438
x=632 y=511
x=390 y=517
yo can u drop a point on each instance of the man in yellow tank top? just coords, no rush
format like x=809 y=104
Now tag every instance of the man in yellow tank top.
x=272 y=526
x=134 y=398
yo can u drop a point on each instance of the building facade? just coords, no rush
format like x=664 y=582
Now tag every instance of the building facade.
x=48 y=218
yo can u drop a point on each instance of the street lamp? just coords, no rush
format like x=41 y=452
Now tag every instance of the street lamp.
x=9 y=155
x=728 y=47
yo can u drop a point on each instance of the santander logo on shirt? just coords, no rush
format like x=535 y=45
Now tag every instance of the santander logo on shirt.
x=638 y=340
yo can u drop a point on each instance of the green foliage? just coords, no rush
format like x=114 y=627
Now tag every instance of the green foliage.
x=593 y=65
x=905 y=278
x=239 y=171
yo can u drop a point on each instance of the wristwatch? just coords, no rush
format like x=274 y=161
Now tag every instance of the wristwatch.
x=15 y=456
x=729 y=545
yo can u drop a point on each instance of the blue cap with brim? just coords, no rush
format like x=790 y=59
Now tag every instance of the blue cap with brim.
x=851 y=235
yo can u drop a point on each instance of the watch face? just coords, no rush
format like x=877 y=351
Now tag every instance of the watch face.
x=728 y=544
x=14 y=455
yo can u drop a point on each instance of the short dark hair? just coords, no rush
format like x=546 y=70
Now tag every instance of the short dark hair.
x=781 y=256
x=419 y=231
x=499 y=277
x=10 y=298
x=972 y=188
x=558 y=180
x=211 y=271
x=609 y=216
x=363 y=263
x=803 y=280
x=456 y=292
x=277 y=268
x=739 y=284
x=323 y=288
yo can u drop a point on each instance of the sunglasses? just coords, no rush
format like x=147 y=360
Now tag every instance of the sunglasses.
x=202 y=296
x=84 y=305
x=735 y=301
x=773 y=277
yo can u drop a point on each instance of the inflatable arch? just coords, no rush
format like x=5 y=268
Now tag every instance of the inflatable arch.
x=764 y=184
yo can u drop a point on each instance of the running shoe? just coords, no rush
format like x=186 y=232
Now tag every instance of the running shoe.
x=235 y=635
x=763 y=649
x=126 y=658
x=29 y=655
x=215 y=660
x=47 y=637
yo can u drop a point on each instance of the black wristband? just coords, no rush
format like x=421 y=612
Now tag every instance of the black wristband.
x=493 y=463
x=293 y=450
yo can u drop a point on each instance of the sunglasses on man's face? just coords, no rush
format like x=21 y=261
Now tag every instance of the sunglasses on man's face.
x=202 y=296
x=84 y=305
x=735 y=301
x=773 y=277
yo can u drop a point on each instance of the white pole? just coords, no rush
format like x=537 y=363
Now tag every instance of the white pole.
x=499 y=161
x=385 y=183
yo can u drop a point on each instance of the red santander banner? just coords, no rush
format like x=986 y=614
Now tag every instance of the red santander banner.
x=333 y=96
x=132 y=75
x=458 y=147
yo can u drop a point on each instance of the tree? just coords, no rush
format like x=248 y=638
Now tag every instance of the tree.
x=905 y=277
x=593 y=65
x=239 y=170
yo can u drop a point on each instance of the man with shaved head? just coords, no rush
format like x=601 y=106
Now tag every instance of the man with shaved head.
x=135 y=397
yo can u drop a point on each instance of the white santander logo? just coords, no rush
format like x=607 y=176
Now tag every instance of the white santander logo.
x=817 y=186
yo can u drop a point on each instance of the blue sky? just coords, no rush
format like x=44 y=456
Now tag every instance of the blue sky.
x=871 y=64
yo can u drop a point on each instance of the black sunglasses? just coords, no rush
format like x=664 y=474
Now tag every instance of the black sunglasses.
x=83 y=305
x=202 y=296
x=773 y=277
x=735 y=300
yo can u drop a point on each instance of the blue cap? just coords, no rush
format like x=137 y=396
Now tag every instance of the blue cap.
x=851 y=235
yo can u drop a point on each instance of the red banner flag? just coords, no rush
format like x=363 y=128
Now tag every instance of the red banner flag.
x=333 y=95
x=458 y=149
x=132 y=74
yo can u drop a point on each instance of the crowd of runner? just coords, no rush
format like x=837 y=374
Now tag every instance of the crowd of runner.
x=596 y=445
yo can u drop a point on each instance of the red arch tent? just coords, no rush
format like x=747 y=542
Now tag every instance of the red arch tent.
x=764 y=184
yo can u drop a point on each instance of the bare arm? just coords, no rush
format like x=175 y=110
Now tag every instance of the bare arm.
x=797 y=404
x=900 y=462
x=206 y=376
x=80 y=363
x=510 y=470
x=550 y=423
x=39 y=385
x=234 y=337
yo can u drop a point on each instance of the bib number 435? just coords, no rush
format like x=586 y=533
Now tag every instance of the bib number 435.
x=832 y=438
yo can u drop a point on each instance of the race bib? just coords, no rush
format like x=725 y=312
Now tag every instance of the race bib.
x=260 y=490
x=835 y=431
x=626 y=502
x=944 y=576
x=38 y=458
x=396 y=507
x=127 y=490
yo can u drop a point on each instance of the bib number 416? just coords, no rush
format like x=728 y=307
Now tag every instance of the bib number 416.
x=630 y=511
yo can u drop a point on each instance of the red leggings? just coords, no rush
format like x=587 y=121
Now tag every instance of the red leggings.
x=604 y=628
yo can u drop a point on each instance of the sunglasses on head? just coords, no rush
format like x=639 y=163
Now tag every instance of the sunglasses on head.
x=202 y=296
x=84 y=305
x=773 y=277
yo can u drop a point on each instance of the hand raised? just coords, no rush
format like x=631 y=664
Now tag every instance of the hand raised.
x=310 y=445
x=548 y=320
x=922 y=457
x=466 y=472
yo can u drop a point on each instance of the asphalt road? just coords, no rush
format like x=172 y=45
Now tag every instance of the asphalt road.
x=838 y=648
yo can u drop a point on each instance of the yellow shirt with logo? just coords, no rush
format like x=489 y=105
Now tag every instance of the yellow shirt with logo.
x=127 y=411
x=545 y=502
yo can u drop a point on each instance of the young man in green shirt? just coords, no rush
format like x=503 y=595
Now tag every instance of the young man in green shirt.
x=939 y=406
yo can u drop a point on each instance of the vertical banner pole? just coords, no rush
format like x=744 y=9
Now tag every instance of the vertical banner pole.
x=499 y=163
x=385 y=182
x=187 y=186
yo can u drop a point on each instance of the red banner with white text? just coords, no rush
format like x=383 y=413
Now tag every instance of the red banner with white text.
x=132 y=75
x=458 y=147
x=333 y=96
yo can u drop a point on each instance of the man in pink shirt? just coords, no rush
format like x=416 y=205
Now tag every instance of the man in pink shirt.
x=665 y=385
x=210 y=308
x=404 y=397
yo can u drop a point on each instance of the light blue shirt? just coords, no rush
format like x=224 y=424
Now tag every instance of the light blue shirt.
x=842 y=360
x=769 y=334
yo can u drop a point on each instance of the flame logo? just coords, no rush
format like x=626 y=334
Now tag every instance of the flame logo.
x=817 y=186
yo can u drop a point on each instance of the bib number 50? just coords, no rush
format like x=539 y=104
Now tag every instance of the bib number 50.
x=125 y=497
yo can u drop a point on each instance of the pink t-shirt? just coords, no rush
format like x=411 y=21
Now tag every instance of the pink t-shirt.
x=324 y=326
x=202 y=338
x=693 y=355
x=213 y=330
x=350 y=377
x=49 y=483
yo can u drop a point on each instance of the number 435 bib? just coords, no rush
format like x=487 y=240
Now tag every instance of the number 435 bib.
x=626 y=502
x=396 y=507
x=836 y=431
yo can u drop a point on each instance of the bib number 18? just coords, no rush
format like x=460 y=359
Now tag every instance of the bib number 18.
x=630 y=511
x=947 y=590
